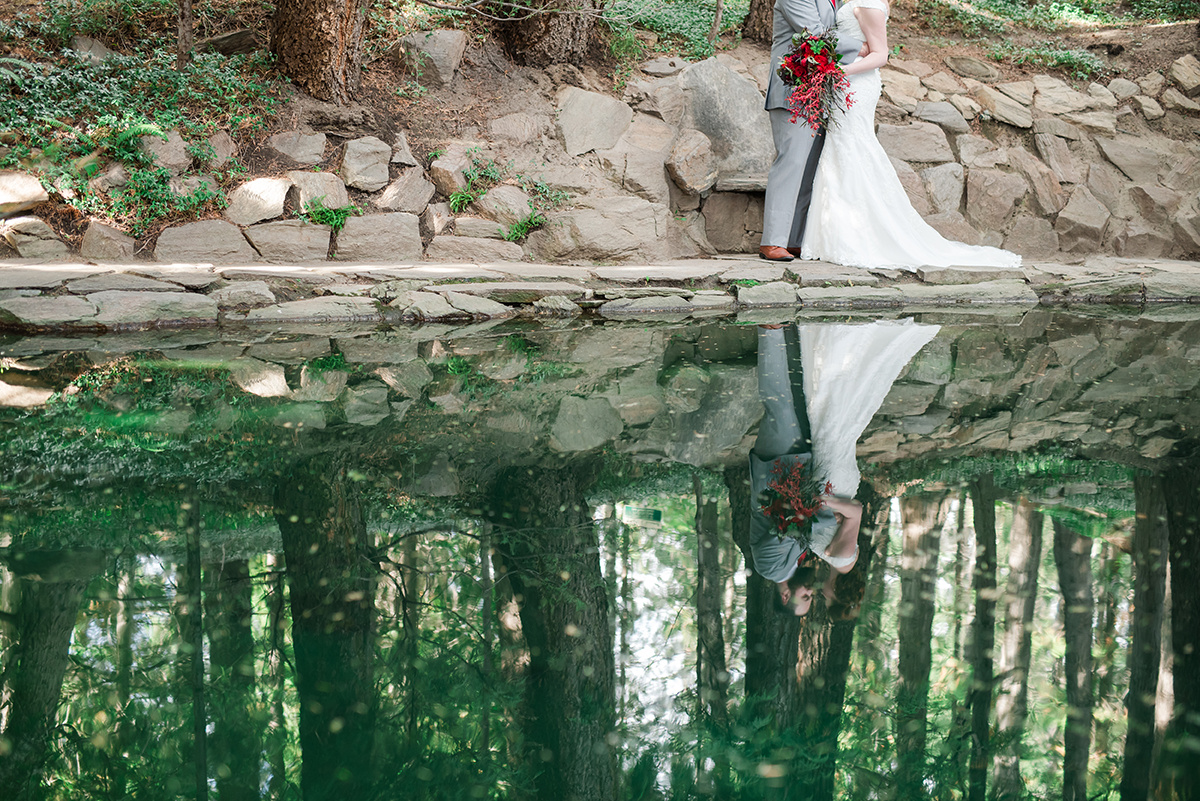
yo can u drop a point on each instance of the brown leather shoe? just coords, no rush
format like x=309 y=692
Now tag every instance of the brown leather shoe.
x=795 y=252
x=774 y=253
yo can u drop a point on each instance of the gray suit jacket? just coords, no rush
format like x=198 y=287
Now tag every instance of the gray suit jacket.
x=791 y=17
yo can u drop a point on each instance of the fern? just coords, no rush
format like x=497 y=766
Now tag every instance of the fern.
x=120 y=138
x=11 y=69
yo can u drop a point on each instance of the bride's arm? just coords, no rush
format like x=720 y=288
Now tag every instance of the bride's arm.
x=874 y=27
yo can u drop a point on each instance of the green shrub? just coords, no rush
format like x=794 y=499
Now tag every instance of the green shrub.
x=682 y=23
x=317 y=212
x=148 y=197
x=1081 y=64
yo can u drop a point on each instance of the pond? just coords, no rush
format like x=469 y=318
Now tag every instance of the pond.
x=513 y=561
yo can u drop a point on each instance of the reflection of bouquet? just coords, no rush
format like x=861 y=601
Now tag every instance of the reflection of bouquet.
x=792 y=499
x=813 y=68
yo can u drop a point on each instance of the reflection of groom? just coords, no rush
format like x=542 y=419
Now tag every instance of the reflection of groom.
x=797 y=148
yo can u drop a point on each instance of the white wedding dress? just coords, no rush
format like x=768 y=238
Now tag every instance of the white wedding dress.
x=848 y=371
x=860 y=215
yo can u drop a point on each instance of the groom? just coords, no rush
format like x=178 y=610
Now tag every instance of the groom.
x=797 y=147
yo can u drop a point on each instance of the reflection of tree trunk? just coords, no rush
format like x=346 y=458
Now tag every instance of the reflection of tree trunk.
x=772 y=640
x=1108 y=568
x=412 y=588
x=1150 y=540
x=554 y=568
x=1073 y=557
x=276 y=736
x=124 y=631
x=711 y=676
x=236 y=751
x=1020 y=595
x=189 y=616
x=964 y=553
x=870 y=625
x=45 y=618
x=1179 y=779
x=332 y=582
x=824 y=660
x=983 y=634
x=922 y=517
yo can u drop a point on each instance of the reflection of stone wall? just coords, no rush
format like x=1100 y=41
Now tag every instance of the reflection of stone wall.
x=1114 y=389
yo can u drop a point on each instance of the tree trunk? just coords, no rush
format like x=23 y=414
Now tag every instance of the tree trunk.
x=563 y=32
x=45 y=619
x=772 y=640
x=1179 y=779
x=185 y=36
x=922 y=517
x=318 y=44
x=1150 y=544
x=332 y=578
x=759 y=21
x=1020 y=597
x=711 y=675
x=235 y=745
x=983 y=635
x=1073 y=558
x=552 y=549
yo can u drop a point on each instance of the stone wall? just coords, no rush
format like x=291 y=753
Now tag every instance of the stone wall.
x=676 y=169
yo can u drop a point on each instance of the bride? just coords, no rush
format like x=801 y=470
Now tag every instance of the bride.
x=860 y=215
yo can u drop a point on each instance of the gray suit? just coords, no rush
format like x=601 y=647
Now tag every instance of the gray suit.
x=797 y=147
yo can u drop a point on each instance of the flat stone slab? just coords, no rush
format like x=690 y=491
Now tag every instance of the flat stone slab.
x=849 y=296
x=326 y=309
x=424 y=272
x=969 y=275
x=1172 y=287
x=41 y=312
x=101 y=283
x=1008 y=292
x=118 y=308
x=662 y=272
x=192 y=277
x=516 y=291
x=775 y=293
x=668 y=304
x=754 y=272
x=819 y=273
x=25 y=277
x=292 y=351
x=318 y=276
x=543 y=271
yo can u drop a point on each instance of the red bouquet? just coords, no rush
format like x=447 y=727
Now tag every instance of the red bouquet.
x=792 y=499
x=813 y=68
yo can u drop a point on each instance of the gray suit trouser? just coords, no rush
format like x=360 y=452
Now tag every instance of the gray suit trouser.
x=790 y=181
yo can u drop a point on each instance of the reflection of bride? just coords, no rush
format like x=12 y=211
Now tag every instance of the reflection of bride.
x=820 y=386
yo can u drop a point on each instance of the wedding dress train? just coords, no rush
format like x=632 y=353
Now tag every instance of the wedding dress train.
x=860 y=214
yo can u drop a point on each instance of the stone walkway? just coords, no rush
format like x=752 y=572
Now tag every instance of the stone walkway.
x=64 y=297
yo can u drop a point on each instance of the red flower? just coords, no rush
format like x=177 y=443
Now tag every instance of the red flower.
x=793 y=498
x=813 y=68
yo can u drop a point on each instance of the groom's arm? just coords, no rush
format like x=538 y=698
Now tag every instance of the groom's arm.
x=801 y=14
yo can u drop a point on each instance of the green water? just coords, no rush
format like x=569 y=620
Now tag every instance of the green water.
x=510 y=562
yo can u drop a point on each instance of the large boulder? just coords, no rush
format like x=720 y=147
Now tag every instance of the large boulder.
x=733 y=221
x=520 y=127
x=1157 y=204
x=469 y=249
x=365 y=163
x=969 y=67
x=1140 y=164
x=32 y=238
x=296 y=147
x=506 y=204
x=169 y=152
x=104 y=243
x=1048 y=193
x=392 y=237
x=409 y=192
x=257 y=200
x=118 y=308
x=589 y=120
x=602 y=229
x=19 y=191
x=1056 y=97
x=1001 y=106
x=728 y=109
x=691 y=164
x=944 y=185
x=1082 y=223
x=1185 y=73
x=637 y=160
x=213 y=241
x=323 y=186
x=920 y=142
x=1060 y=159
x=1138 y=239
x=433 y=56
x=913 y=185
x=1032 y=237
x=290 y=241
x=943 y=114
x=991 y=197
